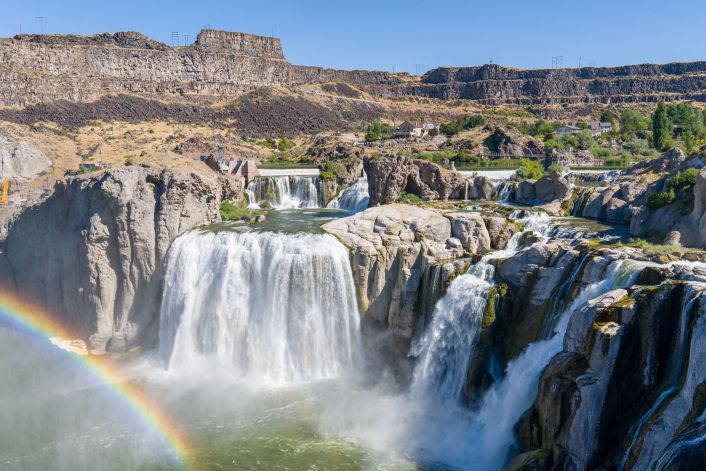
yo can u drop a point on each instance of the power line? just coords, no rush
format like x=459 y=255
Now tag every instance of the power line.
x=175 y=38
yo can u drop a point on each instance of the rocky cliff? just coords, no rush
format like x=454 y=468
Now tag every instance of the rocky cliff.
x=495 y=84
x=625 y=200
x=220 y=64
x=93 y=252
x=628 y=385
x=391 y=175
x=394 y=248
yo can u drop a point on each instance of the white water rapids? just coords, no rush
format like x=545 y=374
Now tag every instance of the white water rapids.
x=444 y=351
x=284 y=192
x=353 y=199
x=266 y=306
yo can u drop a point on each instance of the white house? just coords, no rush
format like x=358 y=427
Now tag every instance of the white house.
x=600 y=127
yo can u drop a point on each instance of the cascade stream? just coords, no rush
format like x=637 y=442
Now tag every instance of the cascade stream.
x=268 y=305
x=284 y=192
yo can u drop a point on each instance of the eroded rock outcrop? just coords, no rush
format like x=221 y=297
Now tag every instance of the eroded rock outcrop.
x=19 y=159
x=549 y=191
x=93 y=252
x=392 y=248
x=625 y=201
x=496 y=84
x=389 y=176
x=624 y=390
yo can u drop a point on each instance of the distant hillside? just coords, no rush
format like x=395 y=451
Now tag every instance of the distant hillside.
x=36 y=69
x=495 y=84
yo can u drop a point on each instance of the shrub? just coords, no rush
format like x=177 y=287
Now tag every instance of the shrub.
x=372 y=136
x=285 y=144
x=529 y=170
x=128 y=161
x=409 y=198
x=269 y=143
x=661 y=199
x=467 y=122
x=540 y=128
x=555 y=167
x=379 y=129
x=683 y=180
x=230 y=212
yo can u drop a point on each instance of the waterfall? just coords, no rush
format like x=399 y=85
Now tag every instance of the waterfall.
x=505 y=190
x=279 y=307
x=582 y=196
x=504 y=403
x=660 y=444
x=284 y=192
x=677 y=363
x=444 y=349
x=353 y=199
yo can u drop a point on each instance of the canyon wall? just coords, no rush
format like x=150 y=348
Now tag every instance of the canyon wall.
x=40 y=68
x=221 y=64
x=495 y=84
x=93 y=253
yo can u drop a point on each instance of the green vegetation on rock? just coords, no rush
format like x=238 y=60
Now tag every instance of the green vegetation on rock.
x=661 y=199
x=409 y=198
x=230 y=212
x=529 y=170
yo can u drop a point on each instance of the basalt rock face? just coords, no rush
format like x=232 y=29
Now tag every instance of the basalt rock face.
x=220 y=64
x=392 y=249
x=494 y=84
x=389 y=176
x=625 y=201
x=93 y=252
x=627 y=388
x=549 y=191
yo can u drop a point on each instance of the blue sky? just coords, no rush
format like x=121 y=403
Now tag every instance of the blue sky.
x=402 y=34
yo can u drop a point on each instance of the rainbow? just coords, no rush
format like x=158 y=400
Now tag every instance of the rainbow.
x=30 y=318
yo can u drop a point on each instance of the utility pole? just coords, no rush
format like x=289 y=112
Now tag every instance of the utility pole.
x=40 y=20
x=175 y=38
x=579 y=62
x=20 y=28
x=186 y=40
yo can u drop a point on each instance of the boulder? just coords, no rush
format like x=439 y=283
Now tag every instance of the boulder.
x=480 y=188
x=19 y=159
x=510 y=142
x=469 y=228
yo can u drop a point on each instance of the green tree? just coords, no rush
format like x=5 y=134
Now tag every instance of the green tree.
x=660 y=127
x=529 y=170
